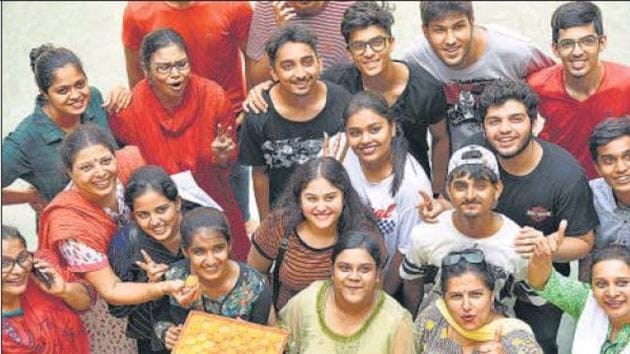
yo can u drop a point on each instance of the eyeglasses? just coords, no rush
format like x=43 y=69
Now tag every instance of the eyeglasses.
x=165 y=68
x=24 y=259
x=377 y=44
x=474 y=256
x=568 y=45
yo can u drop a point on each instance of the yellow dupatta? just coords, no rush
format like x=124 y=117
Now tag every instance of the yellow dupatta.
x=488 y=331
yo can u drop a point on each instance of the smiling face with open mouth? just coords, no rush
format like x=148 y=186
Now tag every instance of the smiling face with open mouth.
x=69 y=93
x=508 y=128
x=158 y=216
x=613 y=164
x=94 y=171
x=582 y=58
x=322 y=204
x=451 y=39
x=209 y=253
x=611 y=288
x=15 y=277
x=169 y=72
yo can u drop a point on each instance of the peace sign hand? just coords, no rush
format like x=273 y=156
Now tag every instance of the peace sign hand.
x=428 y=208
x=332 y=150
x=494 y=346
x=155 y=271
x=223 y=145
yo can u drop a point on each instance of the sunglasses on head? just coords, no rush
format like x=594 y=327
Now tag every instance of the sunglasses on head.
x=474 y=256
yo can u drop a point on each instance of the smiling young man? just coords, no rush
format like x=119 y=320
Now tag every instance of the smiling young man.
x=474 y=188
x=583 y=90
x=543 y=185
x=301 y=109
x=609 y=145
x=466 y=58
x=413 y=94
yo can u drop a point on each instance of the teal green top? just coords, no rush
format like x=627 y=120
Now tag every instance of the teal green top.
x=31 y=151
x=570 y=296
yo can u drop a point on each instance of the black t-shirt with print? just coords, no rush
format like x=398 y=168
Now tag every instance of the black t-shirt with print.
x=421 y=104
x=556 y=189
x=268 y=139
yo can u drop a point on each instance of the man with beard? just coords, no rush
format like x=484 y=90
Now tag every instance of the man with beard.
x=583 y=90
x=473 y=186
x=543 y=185
x=301 y=110
x=467 y=57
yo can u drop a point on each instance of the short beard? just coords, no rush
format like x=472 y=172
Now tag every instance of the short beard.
x=530 y=136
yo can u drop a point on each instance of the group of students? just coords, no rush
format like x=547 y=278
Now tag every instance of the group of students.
x=369 y=240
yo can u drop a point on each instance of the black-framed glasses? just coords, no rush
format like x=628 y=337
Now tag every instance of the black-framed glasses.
x=568 y=45
x=24 y=259
x=474 y=256
x=377 y=44
x=165 y=68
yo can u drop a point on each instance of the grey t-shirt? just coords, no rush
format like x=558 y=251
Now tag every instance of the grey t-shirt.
x=507 y=56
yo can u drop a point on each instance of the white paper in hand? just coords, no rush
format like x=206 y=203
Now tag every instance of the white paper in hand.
x=189 y=190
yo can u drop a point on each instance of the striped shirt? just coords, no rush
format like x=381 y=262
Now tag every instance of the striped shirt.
x=302 y=264
x=326 y=24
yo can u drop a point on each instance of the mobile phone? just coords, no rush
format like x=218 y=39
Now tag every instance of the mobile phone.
x=45 y=278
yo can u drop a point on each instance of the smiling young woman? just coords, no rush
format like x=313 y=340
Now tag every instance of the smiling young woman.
x=386 y=177
x=224 y=287
x=143 y=250
x=65 y=101
x=318 y=205
x=349 y=313
x=182 y=121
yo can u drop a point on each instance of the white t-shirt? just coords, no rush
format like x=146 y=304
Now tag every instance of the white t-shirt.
x=396 y=215
x=429 y=243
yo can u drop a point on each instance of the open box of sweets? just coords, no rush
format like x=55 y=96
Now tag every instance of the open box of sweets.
x=209 y=334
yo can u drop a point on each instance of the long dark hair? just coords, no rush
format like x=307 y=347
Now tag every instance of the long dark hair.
x=355 y=214
x=153 y=178
x=84 y=136
x=376 y=103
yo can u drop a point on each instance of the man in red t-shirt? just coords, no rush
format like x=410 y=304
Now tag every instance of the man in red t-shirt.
x=215 y=33
x=582 y=91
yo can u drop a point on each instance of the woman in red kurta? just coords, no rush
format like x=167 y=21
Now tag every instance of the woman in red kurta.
x=78 y=224
x=181 y=122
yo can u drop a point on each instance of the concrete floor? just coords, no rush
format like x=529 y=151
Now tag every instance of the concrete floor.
x=93 y=31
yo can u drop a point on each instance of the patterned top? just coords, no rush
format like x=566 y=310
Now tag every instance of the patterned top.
x=433 y=336
x=250 y=299
x=302 y=264
x=571 y=296
x=82 y=258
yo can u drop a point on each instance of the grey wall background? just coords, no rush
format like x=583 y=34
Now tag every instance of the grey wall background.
x=93 y=31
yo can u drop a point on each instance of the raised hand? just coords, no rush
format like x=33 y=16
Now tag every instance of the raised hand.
x=428 y=208
x=171 y=336
x=331 y=150
x=282 y=12
x=255 y=102
x=117 y=99
x=528 y=237
x=154 y=271
x=223 y=145
x=494 y=346
x=57 y=283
